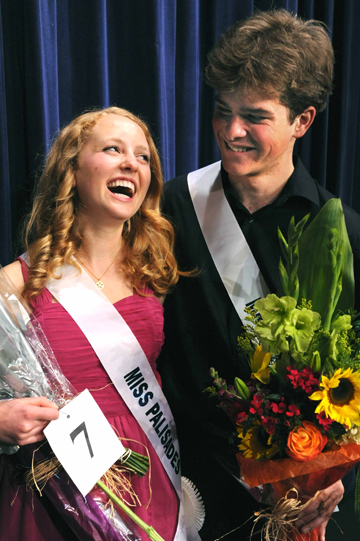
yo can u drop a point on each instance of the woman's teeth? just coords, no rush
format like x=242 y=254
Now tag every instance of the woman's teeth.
x=123 y=187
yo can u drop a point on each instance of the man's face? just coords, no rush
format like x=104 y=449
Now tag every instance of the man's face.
x=254 y=134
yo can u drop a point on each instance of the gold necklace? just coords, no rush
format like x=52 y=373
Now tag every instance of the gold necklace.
x=99 y=283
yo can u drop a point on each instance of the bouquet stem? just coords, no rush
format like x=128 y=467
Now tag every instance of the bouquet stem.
x=149 y=530
x=135 y=462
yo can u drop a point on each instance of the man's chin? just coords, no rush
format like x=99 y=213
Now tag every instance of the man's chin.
x=237 y=170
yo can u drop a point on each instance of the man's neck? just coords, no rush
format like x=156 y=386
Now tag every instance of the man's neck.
x=257 y=192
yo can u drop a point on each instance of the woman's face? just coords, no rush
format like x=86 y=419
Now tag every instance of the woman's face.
x=113 y=173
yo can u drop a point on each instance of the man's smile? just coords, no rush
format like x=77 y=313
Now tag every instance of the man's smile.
x=237 y=148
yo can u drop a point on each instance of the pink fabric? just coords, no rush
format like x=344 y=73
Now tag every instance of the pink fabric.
x=144 y=315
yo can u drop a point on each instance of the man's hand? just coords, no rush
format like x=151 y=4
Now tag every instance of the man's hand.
x=23 y=420
x=320 y=510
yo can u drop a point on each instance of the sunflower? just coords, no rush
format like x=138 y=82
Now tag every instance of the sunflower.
x=259 y=365
x=254 y=444
x=340 y=397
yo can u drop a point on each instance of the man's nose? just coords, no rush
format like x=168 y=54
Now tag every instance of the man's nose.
x=235 y=128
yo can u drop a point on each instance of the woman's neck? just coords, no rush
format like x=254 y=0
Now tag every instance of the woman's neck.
x=100 y=243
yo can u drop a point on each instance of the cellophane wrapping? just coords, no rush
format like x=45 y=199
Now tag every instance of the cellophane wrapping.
x=275 y=478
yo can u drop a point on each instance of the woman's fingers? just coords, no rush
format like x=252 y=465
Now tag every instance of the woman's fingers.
x=23 y=420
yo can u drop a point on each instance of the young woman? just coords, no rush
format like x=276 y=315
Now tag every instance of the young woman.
x=96 y=211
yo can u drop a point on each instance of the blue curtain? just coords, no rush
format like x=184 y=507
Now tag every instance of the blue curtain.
x=61 y=57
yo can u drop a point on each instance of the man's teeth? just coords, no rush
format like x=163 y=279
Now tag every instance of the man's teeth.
x=237 y=149
x=122 y=184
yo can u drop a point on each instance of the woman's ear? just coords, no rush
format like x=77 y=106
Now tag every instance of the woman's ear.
x=303 y=121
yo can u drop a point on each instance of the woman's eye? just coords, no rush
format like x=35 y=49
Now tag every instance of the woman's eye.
x=112 y=148
x=144 y=157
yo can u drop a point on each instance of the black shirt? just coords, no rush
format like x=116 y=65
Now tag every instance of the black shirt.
x=202 y=326
x=300 y=196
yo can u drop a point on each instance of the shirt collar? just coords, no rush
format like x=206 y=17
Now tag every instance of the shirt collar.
x=300 y=184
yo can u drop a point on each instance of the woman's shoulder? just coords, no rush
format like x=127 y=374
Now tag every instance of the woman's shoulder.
x=15 y=273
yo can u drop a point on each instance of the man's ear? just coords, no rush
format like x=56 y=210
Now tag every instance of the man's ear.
x=303 y=121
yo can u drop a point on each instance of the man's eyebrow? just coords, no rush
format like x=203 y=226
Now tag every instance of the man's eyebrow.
x=256 y=110
x=219 y=100
x=252 y=110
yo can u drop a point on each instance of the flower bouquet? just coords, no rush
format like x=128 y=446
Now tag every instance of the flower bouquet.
x=29 y=368
x=297 y=415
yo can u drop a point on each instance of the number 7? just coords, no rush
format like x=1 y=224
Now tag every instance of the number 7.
x=76 y=432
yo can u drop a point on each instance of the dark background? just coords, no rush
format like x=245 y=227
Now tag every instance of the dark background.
x=61 y=57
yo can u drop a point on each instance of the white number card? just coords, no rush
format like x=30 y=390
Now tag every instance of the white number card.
x=83 y=441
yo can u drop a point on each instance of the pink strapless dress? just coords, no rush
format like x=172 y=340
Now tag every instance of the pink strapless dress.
x=26 y=516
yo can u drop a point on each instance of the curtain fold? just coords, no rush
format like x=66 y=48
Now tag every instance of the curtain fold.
x=5 y=213
x=61 y=57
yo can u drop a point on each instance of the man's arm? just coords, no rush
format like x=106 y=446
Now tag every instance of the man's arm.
x=320 y=510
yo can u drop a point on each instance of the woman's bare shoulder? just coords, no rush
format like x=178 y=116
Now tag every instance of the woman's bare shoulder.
x=14 y=272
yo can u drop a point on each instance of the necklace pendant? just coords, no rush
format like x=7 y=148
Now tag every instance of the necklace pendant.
x=100 y=284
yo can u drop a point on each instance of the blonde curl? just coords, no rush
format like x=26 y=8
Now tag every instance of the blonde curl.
x=53 y=232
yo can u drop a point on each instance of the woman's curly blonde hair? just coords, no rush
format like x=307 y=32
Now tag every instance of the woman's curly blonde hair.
x=53 y=232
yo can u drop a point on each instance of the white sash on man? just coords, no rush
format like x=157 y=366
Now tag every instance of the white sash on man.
x=126 y=364
x=227 y=245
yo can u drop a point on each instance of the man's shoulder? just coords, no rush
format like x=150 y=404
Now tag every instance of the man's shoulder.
x=176 y=186
x=349 y=212
x=176 y=198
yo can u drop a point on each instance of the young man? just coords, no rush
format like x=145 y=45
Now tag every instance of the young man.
x=273 y=74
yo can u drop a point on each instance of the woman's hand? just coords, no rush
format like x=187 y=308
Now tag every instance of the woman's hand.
x=23 y=420
x=320 y=510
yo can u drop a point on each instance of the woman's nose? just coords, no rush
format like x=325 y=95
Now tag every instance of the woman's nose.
x=129 y=161
x=235 y=128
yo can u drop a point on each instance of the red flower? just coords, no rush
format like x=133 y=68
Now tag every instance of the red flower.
x=242 y=416
x=277 y=407
x=304 y=379
x=256 y=404
x=324 y=421
x=269 y=424
x=293 y=376
x=292 y=410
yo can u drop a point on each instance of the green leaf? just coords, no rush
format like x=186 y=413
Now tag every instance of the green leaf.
x=315 y=270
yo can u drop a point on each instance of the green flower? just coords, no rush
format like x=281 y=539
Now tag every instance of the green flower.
x=301 y=329
x=275 y=312
x=341 y=323
x=269 y=342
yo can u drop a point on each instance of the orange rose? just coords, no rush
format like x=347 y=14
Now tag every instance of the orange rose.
x=305 y=442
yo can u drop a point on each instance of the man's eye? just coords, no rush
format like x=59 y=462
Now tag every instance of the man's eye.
x=222 y=111
x=254 y=119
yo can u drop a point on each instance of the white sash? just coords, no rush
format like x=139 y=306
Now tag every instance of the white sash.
x=126 y=364
x=226 y=243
